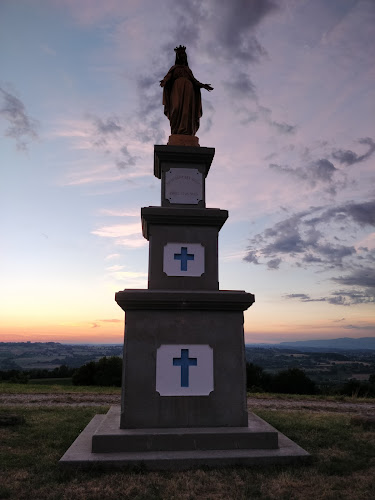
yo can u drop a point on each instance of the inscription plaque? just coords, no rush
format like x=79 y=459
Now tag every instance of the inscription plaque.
x=184 y=186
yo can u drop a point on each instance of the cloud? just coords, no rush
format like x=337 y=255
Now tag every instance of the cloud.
x=125 y=235
x=241 y=85
x=229 y=27
x=131 y=279
x=109 y=320
x=348 y=157
x=251 y=256
x=274 y=263
x=369 y=326
x=104 y=128
x=284 y=128
x=127 y=160
x=234 y=26
x=120 y=213
x=246 y=89
x=118 y=230
x=338 y=298
x=112 y=256
x=115 y=268
x=358 y=277
x=188 y=17
x=150 y=129
x=362 y=214
x=21 y=125
x=281 y=127
x=310 y=237
x=320 y=171
x=135 y=242
x=303 y=297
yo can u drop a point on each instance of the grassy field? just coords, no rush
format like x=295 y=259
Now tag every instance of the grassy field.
x=52 y=386
x=46 y=388
x=342 y=465
x=50 y=381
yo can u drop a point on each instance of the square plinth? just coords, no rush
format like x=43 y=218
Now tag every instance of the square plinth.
x=102 y=444
x=206 y=324
x=183 y=228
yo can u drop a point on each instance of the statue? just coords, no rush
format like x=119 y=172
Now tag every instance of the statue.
x=182 y=96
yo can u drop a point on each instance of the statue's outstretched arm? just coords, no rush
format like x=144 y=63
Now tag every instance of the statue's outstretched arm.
x=167 y=77
x=206 y=86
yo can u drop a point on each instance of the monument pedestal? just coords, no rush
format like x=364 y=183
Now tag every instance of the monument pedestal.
x=159 y=325
x=183 y=401
x=103 y=445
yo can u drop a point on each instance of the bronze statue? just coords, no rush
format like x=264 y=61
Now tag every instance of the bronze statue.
x=182 y=96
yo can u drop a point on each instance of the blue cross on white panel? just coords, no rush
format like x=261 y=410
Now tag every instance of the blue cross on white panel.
x=183 y=259
x=184 y=370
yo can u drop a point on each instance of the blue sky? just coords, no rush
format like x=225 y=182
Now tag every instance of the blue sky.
x=292 y=119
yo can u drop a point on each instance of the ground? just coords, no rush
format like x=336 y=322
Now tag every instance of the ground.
x=356 y=406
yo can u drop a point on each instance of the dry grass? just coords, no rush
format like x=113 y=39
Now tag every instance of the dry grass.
x=343 y=464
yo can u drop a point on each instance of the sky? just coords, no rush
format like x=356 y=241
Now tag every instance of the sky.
x=292 y=120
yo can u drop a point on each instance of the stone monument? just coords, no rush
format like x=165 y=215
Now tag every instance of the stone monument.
x=183 y=401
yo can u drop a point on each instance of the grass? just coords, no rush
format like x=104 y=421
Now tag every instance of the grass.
x=310 y=397
x=40 y=388
x=45 y=387
x=51 y=381
x=342 y=467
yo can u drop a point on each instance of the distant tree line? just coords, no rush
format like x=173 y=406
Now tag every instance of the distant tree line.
x=108 y=372
x=295 y=381
x=23 y=376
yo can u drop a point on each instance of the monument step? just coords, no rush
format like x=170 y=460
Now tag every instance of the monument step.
x=80 y=454
x=109 y=438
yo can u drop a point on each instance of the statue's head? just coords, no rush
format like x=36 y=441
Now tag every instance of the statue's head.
x=181 y=57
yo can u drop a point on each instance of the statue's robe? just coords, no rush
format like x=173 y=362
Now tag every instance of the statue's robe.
x=182 y=100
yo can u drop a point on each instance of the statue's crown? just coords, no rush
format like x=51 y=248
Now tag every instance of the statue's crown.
x=181 y=48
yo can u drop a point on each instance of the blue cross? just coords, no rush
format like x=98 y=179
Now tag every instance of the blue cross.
x=183 y=257
x=184 y=362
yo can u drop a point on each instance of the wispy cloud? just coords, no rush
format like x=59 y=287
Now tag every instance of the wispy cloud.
x=125 y=235
x=120 y=213
x=348 y=157
x=320 y=172
x=129 y=279
x=115 y=268
x=21 y=126
x=118 y=230
x=339 y=297
x=112 y=256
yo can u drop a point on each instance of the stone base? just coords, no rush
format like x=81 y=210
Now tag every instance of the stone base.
x=103 y=444
x=168 y=317
x=183 y=140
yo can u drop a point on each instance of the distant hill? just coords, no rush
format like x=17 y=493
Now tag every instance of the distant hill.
x=345 y=343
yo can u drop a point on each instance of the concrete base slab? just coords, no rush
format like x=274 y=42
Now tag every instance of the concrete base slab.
x=101 y=434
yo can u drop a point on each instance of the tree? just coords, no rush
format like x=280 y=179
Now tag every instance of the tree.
x=105 y=372
x=257 y=380
x=292 y=381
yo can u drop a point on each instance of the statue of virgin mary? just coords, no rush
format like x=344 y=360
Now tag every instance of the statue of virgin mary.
x=182 y=96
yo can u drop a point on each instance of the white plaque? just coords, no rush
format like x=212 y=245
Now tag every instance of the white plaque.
x=183 y=185
x=183 y=259
x=184 y=370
